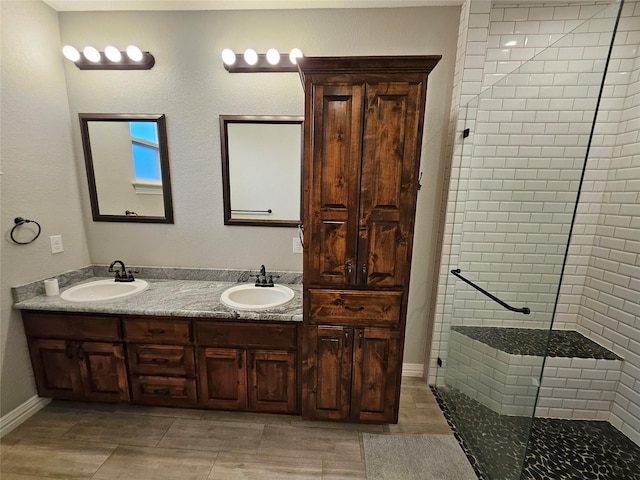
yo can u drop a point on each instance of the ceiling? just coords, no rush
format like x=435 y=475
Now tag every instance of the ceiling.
x=103 y=5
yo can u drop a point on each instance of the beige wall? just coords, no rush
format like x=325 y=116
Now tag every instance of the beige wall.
x=44 y=179
x=39 y=179
x=190 y=85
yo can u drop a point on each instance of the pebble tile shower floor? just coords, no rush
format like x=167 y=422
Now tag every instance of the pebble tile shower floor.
x=559 y=450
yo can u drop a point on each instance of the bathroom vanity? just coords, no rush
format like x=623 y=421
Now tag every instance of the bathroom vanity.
x=195 y=353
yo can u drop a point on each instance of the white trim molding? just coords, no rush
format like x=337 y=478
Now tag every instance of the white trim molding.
x=21 y=414
x=412 y=370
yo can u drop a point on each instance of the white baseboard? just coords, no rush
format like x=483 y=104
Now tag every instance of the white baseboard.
x=412 y=370
x=21 y=414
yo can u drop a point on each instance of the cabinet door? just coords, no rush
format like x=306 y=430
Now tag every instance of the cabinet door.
x=333 y=179
x=56 y=369
x=272 y=381
x=389 y=183
x=376 y=373
x=326 y=388
x=103 y=371
x=223 y=378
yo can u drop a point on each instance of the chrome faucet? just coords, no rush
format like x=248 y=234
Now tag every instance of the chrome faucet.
x=121 y=275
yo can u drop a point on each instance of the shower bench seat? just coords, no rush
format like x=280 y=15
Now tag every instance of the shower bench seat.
x=500 y=367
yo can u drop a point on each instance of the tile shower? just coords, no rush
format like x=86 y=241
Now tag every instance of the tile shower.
x=530 y=86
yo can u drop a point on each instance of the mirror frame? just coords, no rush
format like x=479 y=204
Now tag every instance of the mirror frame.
x=225 y=120
x=160 y=120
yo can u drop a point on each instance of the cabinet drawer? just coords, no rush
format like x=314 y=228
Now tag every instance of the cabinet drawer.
x=70 y=326
x=156 y=330
x=246 y=334
x=172 y=360
x=353 y=307
x=168 y=391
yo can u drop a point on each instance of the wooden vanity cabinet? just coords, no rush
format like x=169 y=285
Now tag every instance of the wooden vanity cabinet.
x=77 y=357
x=247 y=366
x=161 y=361
x=363 y=137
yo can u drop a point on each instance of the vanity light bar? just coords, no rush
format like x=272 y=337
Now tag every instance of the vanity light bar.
x=111 y=59
x=251 y=62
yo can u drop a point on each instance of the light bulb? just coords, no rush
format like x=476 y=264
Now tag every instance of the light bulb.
x=112 y=53
x=91 y=54
x=294 y=55
x=273 y=56
x=71 y=53
x=250 y=56
x=228 y=57
x=134 y=53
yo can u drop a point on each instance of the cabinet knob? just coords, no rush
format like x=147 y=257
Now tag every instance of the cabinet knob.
x=360 y=337
x=239 y=360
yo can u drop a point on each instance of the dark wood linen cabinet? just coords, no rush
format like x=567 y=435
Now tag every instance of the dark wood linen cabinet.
x=362 y=142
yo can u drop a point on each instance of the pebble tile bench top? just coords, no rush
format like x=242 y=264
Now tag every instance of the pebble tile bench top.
x=527 y=341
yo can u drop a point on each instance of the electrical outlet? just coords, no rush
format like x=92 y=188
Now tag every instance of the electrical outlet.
x=297 y=245
x=56 y=244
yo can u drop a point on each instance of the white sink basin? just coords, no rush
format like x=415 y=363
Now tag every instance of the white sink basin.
x=250 y=297
x=103 y=290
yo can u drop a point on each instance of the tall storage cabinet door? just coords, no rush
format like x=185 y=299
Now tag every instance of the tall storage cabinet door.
x=223 y=378
x=375 y=374
x=333 y=178
x=103 y=370
x=326 y=392
x=56 y=369
x=389 y=183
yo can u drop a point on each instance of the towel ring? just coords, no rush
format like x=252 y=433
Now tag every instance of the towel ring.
x=21 y=221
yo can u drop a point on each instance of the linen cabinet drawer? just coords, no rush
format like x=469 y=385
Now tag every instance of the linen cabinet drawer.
x=355 y=307
x=166 y=391
x=157 y=330
x=172 y=360
x=70 y=326
x=262 y=334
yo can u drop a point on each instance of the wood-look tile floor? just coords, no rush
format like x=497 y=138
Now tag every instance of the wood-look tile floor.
x=96 y=441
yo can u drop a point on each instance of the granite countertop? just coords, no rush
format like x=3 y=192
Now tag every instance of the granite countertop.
x=170 y=297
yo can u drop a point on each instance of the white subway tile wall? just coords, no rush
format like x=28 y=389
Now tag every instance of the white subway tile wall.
x=536 y=73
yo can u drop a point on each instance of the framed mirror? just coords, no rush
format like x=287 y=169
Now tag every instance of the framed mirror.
x=127 y=163
x=262 y=170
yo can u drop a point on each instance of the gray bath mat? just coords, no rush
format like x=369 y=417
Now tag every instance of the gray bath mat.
x=415 y=457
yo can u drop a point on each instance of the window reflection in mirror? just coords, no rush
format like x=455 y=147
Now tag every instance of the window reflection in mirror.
x=262 y=169
x=127 y=167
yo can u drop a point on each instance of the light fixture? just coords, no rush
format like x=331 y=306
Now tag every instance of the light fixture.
x=134 y=53
x=228 y=57
x=273 y=56
x=252 y=62
x=91 y=54
x=111 y=59
x=250 y=56
x=294 y=55
x=71 y=53
x=112 y=53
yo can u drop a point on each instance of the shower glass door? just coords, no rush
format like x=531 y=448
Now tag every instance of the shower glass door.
x=516 y=179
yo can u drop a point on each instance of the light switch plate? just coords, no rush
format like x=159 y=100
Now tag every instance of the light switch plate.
x=56 y=244
x=297 y=245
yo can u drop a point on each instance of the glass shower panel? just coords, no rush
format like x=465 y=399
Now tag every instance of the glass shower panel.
x=519 y=176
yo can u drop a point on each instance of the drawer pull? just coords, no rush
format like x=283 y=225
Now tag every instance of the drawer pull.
x=161 y=391
x=160 y=361
x=353 y=309
x=155 y=330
